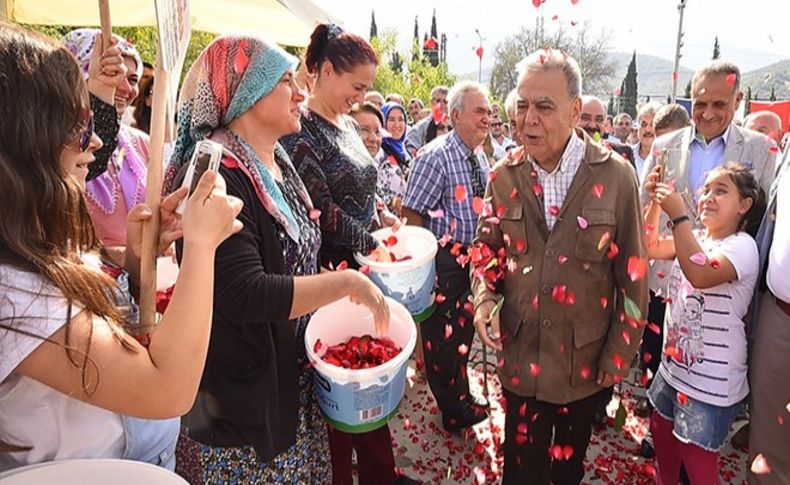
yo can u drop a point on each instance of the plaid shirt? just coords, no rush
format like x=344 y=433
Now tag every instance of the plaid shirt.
x=439 y=168
x=556 y=184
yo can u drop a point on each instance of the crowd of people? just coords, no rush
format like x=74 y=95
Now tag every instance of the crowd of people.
x=575 y=244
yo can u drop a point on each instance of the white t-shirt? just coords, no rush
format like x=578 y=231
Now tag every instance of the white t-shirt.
x=55 y=425
x=704 y=353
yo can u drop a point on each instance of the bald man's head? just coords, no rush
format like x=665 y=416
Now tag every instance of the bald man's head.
x=767 y=123
x=593 y=116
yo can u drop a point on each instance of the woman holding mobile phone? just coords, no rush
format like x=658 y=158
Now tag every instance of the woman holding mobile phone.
x=73 y=382
x=257 y=415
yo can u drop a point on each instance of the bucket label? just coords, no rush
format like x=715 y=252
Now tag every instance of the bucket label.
x=413 y=288
x=371 y=414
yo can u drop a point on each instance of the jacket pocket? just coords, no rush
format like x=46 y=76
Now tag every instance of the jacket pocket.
x=592 y=243
x=588 y=341
x=512 y=225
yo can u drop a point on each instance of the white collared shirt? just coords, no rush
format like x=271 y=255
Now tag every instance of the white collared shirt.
x=556 y=184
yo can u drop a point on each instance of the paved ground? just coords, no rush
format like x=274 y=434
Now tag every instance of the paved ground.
x=426 y=452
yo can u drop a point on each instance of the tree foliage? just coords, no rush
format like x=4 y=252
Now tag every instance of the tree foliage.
x=589 y=50
x=716 y=50
x=143 y=38
x=415 y=80
x=629 y=90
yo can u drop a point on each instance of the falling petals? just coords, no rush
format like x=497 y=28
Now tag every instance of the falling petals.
x=698 y=258
x=477 y=202
x=448 y=331
x=597 y=190
x=605 y=237
x=715 y=264
x=582 y=222
x=460 y=193
x=613 y=250
x=760 y=465
x=538 y=189
x=436 y=214
x=604 y=302
x=534 y=369
x=463 y=349
x=561 y=259
x=314 y=214
x=585 y=372
x=637 y=268
x=682 y=398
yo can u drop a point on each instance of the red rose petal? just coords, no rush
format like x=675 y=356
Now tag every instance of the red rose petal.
x=460 y=193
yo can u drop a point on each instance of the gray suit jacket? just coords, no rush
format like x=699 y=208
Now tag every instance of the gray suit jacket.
x=744 y=146
x=765 y=236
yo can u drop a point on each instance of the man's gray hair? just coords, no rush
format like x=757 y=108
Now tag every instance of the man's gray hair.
x=648 y=109
x=439 y=89
x=455 y=100
x=547 y=59
x=717 y=67
x=510 y=103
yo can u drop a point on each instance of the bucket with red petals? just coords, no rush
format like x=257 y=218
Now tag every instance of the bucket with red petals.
x=409 y=278
x=364 y=396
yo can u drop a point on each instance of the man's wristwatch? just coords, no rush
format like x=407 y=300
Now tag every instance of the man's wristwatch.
x=674 y=222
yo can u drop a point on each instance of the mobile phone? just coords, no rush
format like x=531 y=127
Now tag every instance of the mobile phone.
x=207 y=156
x=662 y=162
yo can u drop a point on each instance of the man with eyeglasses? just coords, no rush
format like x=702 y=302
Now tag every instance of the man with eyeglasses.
x=499 y=142
x=415 y=137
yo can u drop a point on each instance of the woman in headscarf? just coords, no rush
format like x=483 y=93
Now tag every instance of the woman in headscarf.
x=113 y=189
x=257 y=403
x=393 y=167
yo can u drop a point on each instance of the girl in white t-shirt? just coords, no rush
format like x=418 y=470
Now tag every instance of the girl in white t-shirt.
x=73 y=383
x=701 y=381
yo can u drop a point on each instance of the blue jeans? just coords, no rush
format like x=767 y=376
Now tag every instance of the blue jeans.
x=702 y=424
x=151 y=440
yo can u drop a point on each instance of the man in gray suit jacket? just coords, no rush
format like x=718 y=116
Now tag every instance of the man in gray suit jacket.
x=709 y=142
x=769 y=435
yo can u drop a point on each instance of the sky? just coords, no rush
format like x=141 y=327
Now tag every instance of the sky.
x=751 y=33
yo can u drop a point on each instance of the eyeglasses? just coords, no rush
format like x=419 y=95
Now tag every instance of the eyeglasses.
x=85 y=133
x=496 y=124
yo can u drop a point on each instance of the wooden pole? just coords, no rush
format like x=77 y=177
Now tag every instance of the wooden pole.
x=106 y=26
x=152 y=196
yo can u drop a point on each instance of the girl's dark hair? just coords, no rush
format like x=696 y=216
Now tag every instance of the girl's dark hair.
x=747 y=186
x=344 y=50
x=142 y=112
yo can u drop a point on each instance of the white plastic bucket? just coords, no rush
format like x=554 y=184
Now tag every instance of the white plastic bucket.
x=91 y=471
x=409 y=282
x=358 y=400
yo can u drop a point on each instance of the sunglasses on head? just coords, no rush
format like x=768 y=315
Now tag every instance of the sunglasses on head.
x=86 y=133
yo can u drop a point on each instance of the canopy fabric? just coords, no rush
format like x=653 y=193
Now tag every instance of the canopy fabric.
x=287 y=22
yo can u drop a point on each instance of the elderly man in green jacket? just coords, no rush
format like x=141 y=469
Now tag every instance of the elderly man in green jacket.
x=560 y=239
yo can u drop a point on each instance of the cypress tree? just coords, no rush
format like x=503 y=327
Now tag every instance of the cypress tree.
x=628 y=92
x=374 y=30
x=716 y=51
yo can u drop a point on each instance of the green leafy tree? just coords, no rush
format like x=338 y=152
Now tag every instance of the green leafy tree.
x=590 y=51
x=143 y=39
x=415 y=48
x=414 y=80
x=610 y=107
